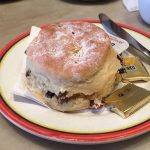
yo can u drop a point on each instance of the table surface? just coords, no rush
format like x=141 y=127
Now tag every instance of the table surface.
x=18 y=16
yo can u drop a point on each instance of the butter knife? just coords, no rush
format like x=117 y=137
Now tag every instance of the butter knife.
x=115 y=29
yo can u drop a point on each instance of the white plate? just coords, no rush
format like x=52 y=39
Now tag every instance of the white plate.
x=86 y=127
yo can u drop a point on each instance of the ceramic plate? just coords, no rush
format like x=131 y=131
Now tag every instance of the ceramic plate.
x=85 y=127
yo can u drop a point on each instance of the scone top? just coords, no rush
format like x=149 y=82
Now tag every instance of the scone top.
x=72 y=51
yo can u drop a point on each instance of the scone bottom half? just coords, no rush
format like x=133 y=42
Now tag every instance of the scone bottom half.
x=71 y=64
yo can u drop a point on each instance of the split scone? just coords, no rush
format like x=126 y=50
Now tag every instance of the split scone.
x=70 y=64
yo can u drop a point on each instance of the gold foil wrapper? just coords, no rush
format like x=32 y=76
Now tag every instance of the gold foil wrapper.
x=128 y=99
x=133 y=70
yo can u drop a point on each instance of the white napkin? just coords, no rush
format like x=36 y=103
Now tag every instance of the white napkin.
x=131 y=5
x=21 y=92
x=118 y=44
x=19 y=89
x=33 y=33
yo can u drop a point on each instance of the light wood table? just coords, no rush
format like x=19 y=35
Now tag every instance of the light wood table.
x=18 y=16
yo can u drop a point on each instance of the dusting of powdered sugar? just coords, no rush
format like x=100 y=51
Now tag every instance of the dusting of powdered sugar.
x=79 y=46
x=85 y=57
x=58 y=35
x=45 y=46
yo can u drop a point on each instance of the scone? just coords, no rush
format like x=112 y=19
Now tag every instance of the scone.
x=70 y=64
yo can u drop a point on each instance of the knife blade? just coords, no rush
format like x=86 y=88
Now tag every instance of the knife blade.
x=115 y=29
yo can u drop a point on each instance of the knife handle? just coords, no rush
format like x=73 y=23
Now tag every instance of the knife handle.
x=107 y=22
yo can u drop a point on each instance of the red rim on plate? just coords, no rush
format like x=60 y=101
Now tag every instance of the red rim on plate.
x=75 y=138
